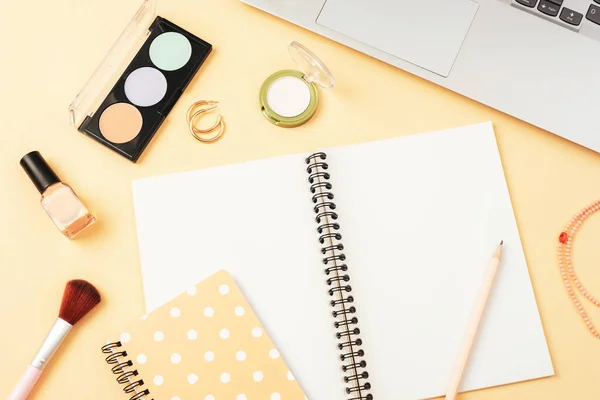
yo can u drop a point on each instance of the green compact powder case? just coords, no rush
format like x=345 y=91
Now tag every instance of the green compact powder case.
x=290 y=98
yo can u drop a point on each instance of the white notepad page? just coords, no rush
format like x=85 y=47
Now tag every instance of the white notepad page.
x=421 y=217
x=255 y=220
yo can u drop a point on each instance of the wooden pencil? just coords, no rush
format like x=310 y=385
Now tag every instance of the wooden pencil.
x=473 y=327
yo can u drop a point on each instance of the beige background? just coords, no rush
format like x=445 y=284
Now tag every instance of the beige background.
x=50 y=49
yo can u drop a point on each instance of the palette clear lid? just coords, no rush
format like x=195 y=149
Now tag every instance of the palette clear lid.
x=313 y=68
x=116 y=61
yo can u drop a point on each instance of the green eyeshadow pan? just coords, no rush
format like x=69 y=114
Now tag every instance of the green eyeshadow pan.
x=170 y=51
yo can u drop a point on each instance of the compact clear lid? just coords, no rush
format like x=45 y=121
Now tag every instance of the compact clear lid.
x=116 y=61
x=313 y=68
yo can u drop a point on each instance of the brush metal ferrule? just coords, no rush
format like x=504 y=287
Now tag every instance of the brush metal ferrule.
x=56 y=336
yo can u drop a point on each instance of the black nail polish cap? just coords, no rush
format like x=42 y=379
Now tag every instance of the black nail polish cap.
x=39 y=171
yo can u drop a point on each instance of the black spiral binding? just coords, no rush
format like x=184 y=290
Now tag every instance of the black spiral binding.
x=351 y=354
x=126 y=376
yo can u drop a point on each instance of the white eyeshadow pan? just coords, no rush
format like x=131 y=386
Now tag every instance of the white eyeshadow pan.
x=145 y=86
x=288 y=96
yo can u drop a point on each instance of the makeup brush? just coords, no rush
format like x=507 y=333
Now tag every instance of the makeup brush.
x=78 y=299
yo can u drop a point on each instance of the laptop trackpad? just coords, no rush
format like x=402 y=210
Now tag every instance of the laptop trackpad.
x=427 y=33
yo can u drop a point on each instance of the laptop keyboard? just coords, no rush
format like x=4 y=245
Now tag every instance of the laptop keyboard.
x=576 y=15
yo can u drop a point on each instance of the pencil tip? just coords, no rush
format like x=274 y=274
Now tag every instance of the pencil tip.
x=502 y=243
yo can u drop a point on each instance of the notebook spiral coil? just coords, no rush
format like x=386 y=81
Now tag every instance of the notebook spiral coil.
x=122 y=367
x=342 y=301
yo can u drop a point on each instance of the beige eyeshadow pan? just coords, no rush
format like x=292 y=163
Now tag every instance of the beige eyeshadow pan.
x=120 y=123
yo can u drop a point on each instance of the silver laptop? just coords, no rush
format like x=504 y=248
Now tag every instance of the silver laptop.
x=537 y=60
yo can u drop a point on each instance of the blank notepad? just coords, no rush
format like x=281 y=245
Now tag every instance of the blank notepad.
x=419 y=218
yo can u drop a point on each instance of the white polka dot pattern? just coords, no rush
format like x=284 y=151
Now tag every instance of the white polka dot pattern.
x=257 y=332
x=159 y=336
x=207 y=344
x=141 y=359
x=223 y=289
x=240 y=355
x=158 y=380
x=225 y=377
x=258 y=376
x=209 y=356
x=176 y=358
x=125 y=337
x=192 y=291
x=192 y=334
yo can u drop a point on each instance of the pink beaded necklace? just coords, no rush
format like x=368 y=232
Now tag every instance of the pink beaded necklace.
x=565 y=262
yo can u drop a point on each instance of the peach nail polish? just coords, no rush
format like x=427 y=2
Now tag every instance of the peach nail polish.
x=58 y=199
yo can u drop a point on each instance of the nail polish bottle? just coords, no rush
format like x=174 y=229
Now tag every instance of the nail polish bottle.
x=58 y=199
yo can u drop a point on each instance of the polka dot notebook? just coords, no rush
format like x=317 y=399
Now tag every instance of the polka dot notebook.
x=206 y=344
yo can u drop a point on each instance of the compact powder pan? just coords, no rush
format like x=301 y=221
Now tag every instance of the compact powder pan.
x=170 y=51
x=123 y=113
x=289 y=98
x=145 y=86
x=120 y=123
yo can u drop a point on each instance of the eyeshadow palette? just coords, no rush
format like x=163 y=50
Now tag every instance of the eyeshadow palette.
x=127 y=99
